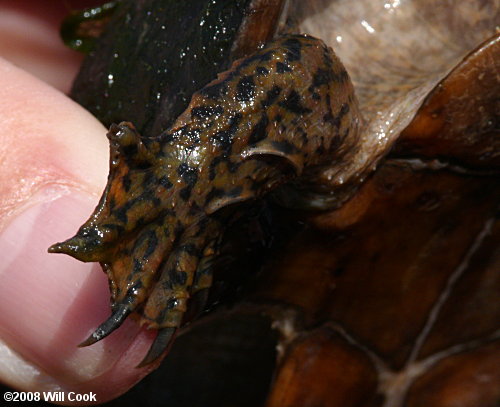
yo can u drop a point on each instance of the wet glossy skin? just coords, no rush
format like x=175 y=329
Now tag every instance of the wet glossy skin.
x=279 y=116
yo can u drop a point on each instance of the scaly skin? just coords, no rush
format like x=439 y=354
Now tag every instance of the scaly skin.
x=278 y=116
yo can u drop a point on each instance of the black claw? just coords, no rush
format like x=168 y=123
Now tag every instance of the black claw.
x=196 y=305
x=114 y=321
x=160 y=345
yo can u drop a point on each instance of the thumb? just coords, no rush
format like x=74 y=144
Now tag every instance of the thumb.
x=53 y=166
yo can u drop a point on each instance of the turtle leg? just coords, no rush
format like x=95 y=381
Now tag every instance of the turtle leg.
x=198 y=298
x=179 y=278
x=197 y=301
x=131 y=274
x=202 y=282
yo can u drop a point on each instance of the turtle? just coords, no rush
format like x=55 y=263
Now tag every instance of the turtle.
x=409 y=144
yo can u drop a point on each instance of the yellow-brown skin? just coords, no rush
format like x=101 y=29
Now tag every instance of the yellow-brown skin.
x=280 y=115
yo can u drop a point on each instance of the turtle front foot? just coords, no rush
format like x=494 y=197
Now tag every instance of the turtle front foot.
x=157 y=255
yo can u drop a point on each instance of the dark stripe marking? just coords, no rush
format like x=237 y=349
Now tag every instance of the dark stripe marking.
x=282 y=68
x=271 y=96
x=259 y=130
x=293 y=104
x=206 y=111
x=188 y=174
x=245 y=89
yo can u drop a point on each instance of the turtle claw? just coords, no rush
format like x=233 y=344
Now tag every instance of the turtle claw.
x=160 y=346
x=113 y=322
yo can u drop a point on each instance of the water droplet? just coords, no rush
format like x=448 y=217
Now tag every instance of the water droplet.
x=367 y=26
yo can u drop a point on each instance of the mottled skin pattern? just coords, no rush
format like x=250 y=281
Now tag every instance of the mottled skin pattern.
x=279 y=115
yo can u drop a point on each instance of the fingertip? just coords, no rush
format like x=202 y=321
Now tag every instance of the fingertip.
x=55 y=161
